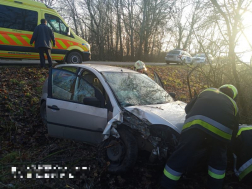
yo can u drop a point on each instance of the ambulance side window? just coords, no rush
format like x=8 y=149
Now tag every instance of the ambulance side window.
x=56 y=24
x=17 y=18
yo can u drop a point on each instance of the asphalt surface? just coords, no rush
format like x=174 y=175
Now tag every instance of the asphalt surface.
x=4 y=62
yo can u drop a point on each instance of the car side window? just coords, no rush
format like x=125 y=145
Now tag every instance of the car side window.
x=63 y=84
x=17 y=18
x=82 y=90
x=56 y=24
x=93 y=80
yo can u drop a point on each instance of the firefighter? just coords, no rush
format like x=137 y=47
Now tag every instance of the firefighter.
x=242 y=145
x=140 y=67
x=212 y=117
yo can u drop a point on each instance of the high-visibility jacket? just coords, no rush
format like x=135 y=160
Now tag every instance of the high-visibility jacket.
x=242 y=146
x=214 y=112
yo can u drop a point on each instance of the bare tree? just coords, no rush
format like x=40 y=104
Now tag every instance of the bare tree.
x=231 y=13
x=50 y=3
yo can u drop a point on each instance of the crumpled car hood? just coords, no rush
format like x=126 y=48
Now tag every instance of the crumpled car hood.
x=171 y=114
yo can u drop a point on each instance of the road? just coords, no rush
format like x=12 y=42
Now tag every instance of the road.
x=36 y=62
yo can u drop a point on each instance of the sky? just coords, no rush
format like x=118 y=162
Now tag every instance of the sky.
x=244 y=45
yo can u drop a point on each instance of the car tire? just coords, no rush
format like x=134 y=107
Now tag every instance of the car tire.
x=167 y=62
x=74 y=58
x=123 y=152
x=43 y=113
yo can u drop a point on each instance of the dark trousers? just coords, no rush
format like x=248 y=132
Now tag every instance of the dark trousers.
x=43 y=50
x=191 y=141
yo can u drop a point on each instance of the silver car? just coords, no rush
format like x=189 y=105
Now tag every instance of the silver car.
x=201 y=58
x=120 y=110
x=178 y=56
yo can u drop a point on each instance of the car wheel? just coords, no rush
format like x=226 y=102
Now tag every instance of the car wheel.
x=122 y=152
x=167 y=62
x=43 y=112
x=74 y=58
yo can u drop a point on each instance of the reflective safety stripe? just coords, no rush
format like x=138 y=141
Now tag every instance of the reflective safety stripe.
x=243 y=128
x=235 y=92
x=20 y=39
x=217 y=174
x=171 y=174
x=218 y=91
x=210 y=89
x=211 y=122
x=26 y=38
x=245 y=172
x=14 y=38
x=209 y=127
x=4 y=40
x=245 y=169
x=62 y=44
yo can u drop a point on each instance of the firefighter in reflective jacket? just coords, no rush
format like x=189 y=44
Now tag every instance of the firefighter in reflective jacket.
x=211 y=116
x=242 y=145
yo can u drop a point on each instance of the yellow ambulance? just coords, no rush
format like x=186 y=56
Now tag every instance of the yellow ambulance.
x=18 y=18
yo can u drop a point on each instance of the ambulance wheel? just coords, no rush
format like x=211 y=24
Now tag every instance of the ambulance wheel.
x=121 y=153
x=74 y=58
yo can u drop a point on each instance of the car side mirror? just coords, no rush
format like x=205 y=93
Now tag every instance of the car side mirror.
x=92 y=101
x=68 y=31
x=173 y=95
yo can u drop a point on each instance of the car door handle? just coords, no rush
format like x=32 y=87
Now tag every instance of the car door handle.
x=53 y=107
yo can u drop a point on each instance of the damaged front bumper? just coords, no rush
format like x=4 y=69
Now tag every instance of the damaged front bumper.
x=153 y=138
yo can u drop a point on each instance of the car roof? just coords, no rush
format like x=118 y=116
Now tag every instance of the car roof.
x=30 y=3
x=99 y=68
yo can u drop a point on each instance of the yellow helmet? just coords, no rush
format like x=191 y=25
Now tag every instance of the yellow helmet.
x=139 y=65
x=231 y=88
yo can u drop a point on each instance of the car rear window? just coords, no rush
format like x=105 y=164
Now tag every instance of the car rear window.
x=174 y=52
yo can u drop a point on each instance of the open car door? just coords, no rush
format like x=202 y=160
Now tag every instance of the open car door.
x=158 y=80
x=160 y=83
x=75 y=108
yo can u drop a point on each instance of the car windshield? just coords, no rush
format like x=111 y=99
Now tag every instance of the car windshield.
x=133 y=89
x=174 y=52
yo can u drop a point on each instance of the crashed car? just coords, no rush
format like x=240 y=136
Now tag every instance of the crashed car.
x=120 y=110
